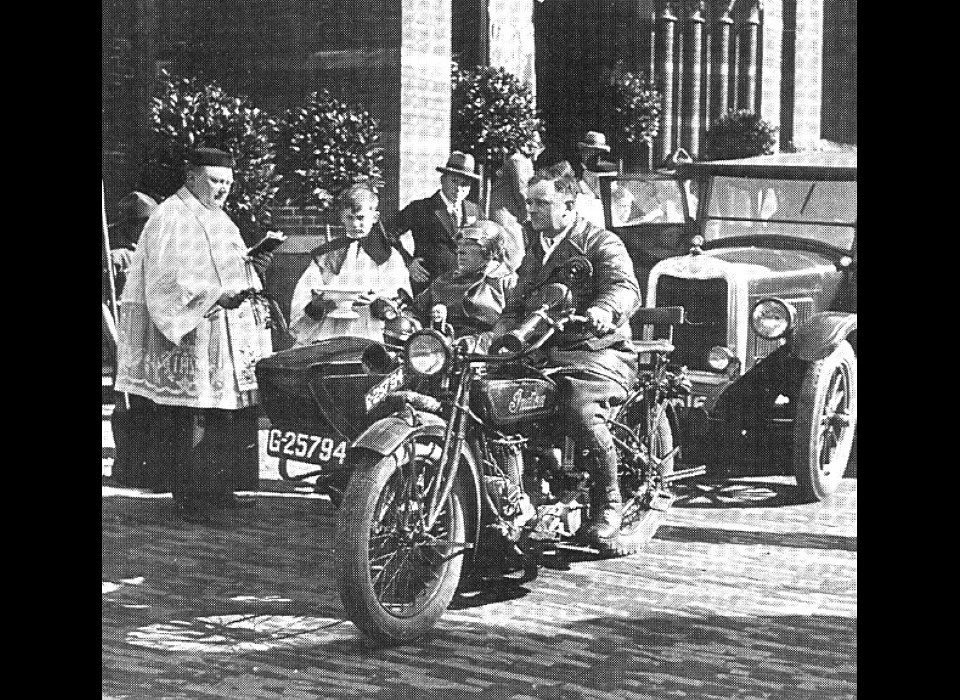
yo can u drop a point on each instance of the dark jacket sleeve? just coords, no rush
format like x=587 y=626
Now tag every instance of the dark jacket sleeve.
x=617 y=288
x=403 y=221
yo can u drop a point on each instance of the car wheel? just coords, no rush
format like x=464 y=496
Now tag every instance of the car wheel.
x=825 y=423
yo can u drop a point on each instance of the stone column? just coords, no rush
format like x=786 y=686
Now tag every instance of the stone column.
x=771 y=58
x=721 y=61
x=666 y=21
x=690 y=138
x=748 y=72
x=511 y=38
x=808 y=73
x=424 y=106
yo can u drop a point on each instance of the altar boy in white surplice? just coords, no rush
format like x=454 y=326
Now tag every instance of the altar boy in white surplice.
x=361 y=259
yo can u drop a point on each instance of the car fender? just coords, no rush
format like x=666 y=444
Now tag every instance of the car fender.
x=387 y=434
x=819 y=335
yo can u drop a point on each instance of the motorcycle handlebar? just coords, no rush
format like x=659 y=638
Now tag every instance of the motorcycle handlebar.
x=514 y=341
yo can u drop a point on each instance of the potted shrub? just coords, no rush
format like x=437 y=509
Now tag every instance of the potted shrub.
x=187 y=113
x=493 y=116
x=739 y=134
x=635 y=116
x=326 y=145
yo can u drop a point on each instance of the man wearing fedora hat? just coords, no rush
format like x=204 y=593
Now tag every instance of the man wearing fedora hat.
x=590 y=168
x=435 y=221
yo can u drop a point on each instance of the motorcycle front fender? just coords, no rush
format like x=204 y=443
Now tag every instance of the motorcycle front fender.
x=387 y=434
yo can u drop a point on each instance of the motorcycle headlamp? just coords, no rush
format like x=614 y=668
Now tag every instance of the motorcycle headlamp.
x=427 y=352
x=772 y=318
x=720 y=358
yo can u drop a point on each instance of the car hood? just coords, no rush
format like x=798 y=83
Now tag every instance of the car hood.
x=749 y=263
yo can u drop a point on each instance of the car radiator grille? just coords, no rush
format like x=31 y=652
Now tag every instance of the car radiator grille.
x=705 y=302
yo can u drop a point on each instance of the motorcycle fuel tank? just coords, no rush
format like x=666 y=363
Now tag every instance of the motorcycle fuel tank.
x=509 y=401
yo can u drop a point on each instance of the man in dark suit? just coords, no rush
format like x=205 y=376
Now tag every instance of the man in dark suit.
x=599 y=361
x=435 y=221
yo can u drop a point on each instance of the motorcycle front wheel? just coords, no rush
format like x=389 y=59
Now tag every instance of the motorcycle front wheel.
x=396 y=576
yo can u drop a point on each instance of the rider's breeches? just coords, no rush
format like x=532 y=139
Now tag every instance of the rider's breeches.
x=586 y=404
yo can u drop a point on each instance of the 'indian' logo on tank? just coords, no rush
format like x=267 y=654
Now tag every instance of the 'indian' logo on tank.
x=519 y=402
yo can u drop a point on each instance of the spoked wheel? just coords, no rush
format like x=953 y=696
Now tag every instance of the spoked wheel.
x=640 y=520
x=396 y=575
x=825 y=423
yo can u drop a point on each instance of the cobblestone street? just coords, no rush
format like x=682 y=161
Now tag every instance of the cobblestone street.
x=740 y=595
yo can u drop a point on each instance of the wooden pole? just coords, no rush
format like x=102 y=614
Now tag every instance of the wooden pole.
x=112 y=284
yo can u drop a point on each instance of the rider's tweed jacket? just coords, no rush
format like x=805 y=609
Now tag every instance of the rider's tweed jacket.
x=614 y=284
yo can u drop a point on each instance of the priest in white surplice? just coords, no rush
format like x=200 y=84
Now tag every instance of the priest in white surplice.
x=191 y=331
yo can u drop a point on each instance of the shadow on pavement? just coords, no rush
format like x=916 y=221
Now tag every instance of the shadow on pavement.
x=800 y=540
x=250 y=609
x=738 y=493
x=651 y=656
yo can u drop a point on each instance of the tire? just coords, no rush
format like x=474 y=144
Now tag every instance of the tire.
x=639 y=522
x=422 y=585
x=825 y=423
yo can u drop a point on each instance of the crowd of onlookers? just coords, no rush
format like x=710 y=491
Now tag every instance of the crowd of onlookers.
x=194 y=320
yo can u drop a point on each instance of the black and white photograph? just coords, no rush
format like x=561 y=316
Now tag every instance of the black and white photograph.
x=494 y=349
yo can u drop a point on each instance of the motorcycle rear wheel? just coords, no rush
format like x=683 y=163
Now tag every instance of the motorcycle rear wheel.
x=395 y=578
x=639 y=522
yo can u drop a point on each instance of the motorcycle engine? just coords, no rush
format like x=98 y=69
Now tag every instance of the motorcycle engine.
x=506 y=490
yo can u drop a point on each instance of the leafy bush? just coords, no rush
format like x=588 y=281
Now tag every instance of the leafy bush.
x=636 y=107
x=186 y=114
x=739 y=134
x=493 y=113
x=325 y=146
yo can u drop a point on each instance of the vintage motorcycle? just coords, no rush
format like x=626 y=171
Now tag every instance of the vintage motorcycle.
x=466 y=464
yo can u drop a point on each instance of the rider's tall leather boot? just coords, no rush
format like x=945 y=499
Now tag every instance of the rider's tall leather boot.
x=608 y=515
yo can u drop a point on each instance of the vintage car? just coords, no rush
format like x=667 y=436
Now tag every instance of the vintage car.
x=769 y=283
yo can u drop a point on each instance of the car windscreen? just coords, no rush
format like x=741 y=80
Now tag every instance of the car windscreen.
x=825 y=212
x=642 y=201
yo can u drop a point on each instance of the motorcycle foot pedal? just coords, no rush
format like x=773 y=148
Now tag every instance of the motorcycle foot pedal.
x=662 y=500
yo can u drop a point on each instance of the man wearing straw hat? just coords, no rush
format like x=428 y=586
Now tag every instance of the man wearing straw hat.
x=435 y=221
x=192 y=327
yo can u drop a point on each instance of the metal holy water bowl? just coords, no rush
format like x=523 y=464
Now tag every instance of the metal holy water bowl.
x=343 y=297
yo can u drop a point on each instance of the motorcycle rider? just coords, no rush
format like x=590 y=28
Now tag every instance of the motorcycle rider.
x=600 y=362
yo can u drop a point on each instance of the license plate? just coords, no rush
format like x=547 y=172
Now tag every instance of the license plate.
x=391 y=382
x=304 y=447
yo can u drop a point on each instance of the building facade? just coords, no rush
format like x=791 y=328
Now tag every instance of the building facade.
x=793 y=61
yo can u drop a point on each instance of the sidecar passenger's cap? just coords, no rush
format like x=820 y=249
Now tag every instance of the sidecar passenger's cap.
x=212 y=157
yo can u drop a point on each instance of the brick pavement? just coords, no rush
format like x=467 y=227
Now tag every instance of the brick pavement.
x=740 y=595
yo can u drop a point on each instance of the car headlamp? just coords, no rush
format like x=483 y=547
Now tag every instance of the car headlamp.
x=720 y=358
x=427 y=352
x=772 y=318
